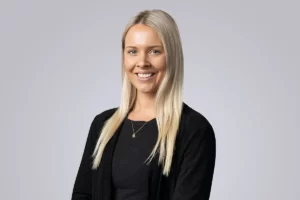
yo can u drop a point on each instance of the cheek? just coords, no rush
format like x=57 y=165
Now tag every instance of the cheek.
x=162 y=70
x=128 y=64
x=161 y=65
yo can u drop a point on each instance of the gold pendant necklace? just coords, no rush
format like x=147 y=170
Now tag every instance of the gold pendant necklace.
x=134 y=133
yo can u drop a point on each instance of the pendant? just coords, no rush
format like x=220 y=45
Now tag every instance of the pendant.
x=133 y=135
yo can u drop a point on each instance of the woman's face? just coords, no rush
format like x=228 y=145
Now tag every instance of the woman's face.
x=144 y=58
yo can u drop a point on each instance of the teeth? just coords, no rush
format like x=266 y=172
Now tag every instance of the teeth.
x=144 y=75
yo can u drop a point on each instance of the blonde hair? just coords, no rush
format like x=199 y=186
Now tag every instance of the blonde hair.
x=168 y=97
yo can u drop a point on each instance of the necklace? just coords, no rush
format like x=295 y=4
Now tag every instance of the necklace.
x=135 y=132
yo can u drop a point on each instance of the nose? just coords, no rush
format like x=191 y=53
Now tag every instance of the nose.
x=143 y=61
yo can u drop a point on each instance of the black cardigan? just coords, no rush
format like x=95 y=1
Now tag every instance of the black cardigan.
x=191 y=172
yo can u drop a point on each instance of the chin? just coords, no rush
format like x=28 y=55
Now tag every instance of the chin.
x=146 y=90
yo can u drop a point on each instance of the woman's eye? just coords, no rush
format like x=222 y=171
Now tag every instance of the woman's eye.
x=155 y=51
x=132 y=51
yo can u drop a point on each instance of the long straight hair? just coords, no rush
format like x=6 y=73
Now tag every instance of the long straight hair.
x=168 y=100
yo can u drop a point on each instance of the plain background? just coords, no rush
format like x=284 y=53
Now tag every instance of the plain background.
x=61 y=66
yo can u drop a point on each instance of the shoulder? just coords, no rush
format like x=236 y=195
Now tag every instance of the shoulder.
x=194 y=124
x=104 y=115
x=98 y=122
x=192 y=119
x=100 y=118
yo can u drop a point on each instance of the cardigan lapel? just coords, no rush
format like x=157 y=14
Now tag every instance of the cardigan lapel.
x=103 y=187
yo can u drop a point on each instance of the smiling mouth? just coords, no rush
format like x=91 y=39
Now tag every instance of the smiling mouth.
x=144 y=75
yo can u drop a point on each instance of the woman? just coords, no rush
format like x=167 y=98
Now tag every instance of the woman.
x=154 y=146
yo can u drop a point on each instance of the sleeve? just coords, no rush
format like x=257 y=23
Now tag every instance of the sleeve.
x=195 y=176
x=82 y=189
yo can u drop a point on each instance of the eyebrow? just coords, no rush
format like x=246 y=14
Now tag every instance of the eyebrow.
x=152 y=46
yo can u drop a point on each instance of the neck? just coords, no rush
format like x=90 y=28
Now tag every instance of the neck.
x=144 y=105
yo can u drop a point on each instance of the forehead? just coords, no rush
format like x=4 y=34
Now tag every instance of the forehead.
x=140 y=34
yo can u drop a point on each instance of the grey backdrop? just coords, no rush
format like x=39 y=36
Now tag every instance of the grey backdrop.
x=60 y=66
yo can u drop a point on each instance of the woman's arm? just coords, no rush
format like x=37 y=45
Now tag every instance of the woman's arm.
x=196 y=171
x=82 y=189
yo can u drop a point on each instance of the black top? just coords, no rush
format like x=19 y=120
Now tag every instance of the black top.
x=130 y=172
x=191 y=172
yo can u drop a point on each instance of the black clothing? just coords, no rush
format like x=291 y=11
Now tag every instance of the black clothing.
x=192 y=166
x=130 y=172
